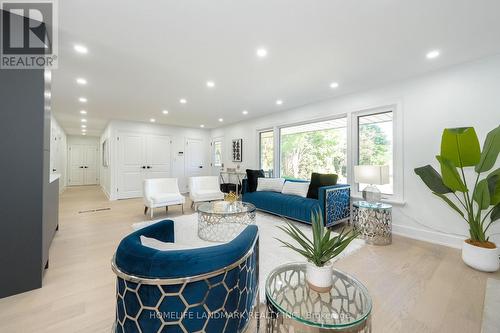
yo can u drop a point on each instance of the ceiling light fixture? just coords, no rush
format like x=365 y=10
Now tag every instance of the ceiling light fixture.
x=83 y=120
x=84 y=131
x=84 y=134
x=80 y=48
x=152 y=120
x=221 y=120
x=261 y=53
x=165 y=112
x=334 y=85
x=183 y=101
x=245 y=112
x=83 y=112
x=210 y=84
x=82 y=100
x=433 y=54
x=81 y=81
x=279 y=102
x=202 y=126
x=84 y=126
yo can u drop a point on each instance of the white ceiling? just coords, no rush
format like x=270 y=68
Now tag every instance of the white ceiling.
x=146 y=55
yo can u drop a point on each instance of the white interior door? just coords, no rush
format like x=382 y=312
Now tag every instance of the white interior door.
x=131 y=165
x=158 y=159
x=90 y=165
x=195 y=158
x=76 y=166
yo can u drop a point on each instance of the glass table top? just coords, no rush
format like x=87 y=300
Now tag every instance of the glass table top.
x=372 y=205
x=348 y=302
x=226 y=207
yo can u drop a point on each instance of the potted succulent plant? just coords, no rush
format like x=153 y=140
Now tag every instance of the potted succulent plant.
x=479 y=206
x=319 y=251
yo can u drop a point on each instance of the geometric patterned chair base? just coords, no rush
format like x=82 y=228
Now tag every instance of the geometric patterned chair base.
x=220 y=300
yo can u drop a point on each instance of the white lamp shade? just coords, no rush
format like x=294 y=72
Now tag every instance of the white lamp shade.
x=371 y=174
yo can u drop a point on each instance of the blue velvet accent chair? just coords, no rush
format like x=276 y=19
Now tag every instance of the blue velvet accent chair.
x=333 y=203
x=212 y=289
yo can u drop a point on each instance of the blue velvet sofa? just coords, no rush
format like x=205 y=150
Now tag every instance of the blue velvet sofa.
x=211 y=289
x=333 y=203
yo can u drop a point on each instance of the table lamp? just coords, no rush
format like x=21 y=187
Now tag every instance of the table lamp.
x=373 y=175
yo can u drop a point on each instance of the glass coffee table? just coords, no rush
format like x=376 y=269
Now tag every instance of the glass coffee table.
x=221 y=221
x=293 y=307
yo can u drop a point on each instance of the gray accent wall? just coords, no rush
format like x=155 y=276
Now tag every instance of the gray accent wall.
x=25 y=231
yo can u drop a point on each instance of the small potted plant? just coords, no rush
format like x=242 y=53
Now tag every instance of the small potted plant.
x=319 y=251
x=479 y=206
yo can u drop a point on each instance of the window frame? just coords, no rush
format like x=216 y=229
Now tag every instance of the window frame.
x=277 y=135
x=397 y=156
x=259 y=145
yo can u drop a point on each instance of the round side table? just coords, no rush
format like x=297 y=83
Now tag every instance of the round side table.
x=373 y=221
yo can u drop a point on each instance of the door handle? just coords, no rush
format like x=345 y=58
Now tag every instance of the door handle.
x=149 y=167
x=81 y=167
x=143 y=167
x=201 y=167
x=86 y=167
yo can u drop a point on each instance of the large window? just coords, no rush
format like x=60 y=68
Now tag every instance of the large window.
x=266 y=142
x=375 y=144
x=314 y=147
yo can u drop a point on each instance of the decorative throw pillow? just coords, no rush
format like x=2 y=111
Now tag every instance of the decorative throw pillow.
x=252 y=176
x=296 y=188
x=318 y=180
x=270 y=184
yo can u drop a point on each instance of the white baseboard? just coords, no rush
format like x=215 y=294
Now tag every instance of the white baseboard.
x=428 y=236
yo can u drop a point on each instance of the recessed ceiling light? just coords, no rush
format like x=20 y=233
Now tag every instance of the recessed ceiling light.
x=84 y=133
x=81 y=81
x=80 y=48
x=433 y=54
x=334 y=85
x=84 y=126
x=221 y=120
x=83 y=112
x=183 y=101
x=82 y=100
x=279 y=102
x=210 y=84
x=245 y=112
x=84 y=120
x=165 y=112
x=202 y=126
x=152 y=120
x=261 y=53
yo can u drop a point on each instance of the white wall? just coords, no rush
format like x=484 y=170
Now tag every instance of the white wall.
x=465 y=95
x=178 y=135
x=58 y=152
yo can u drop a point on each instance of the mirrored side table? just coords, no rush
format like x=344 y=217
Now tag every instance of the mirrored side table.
x=292 y=307
x=373 y=221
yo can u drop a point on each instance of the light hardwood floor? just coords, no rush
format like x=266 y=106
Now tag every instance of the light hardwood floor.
x=415 y=286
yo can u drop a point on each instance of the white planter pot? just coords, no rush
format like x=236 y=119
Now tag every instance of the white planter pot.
x=480 y=258
x=320 y=279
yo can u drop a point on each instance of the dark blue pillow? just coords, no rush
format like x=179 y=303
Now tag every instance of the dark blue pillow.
x=252 y=176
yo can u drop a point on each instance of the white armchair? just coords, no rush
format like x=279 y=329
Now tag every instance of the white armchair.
x=206 y=188
x=162 y=192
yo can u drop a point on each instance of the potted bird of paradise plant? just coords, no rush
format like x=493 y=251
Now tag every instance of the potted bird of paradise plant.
x=319 y=251
x=479 y=206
